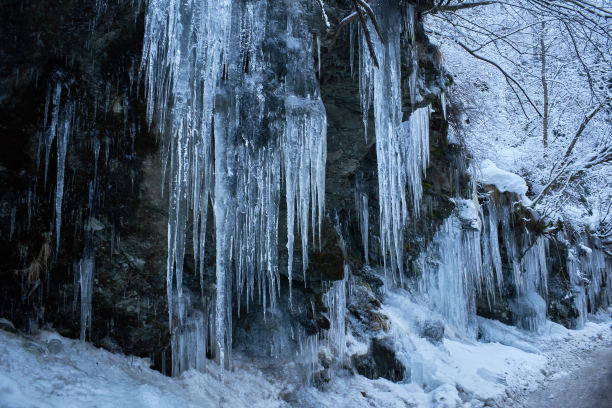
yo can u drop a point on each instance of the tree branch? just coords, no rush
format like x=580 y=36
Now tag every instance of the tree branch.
x=508 y=76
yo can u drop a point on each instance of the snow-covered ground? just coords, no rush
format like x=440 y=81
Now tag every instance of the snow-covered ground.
x=51 y=371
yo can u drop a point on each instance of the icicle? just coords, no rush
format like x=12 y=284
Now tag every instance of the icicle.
x=335 y=301
x=363 y=218
x=443 y=103
x=319 y=55
x=62 y=146
x=452 y=274
x=52 y=132
x=12 y=227
x=352 y=51
x=402 y=149
x=86 y=270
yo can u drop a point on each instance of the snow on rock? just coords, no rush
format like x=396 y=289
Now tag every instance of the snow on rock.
x=503 y=180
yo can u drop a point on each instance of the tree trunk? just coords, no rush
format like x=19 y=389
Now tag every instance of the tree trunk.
x=545 y=92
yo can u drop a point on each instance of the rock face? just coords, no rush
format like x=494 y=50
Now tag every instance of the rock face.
x=80 y=67
x=112 y=176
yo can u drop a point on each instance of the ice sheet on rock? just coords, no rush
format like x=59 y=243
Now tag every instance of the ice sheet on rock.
x=491 y=257
x=503 y=180
x=528 y=310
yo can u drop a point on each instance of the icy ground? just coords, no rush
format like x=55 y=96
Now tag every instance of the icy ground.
x=51 y=371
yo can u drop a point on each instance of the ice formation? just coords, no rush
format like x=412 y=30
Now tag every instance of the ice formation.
x=59 y=129
x=363 y=216
x=232 y=88
x=402 y=147
x=463 y=262
x=453 y=274
x=526 y=255
x=231 y=131
x=335 y=301
x=590 y=274
x=86 y=271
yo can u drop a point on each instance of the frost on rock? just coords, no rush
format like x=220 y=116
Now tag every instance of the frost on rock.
x=402 y=148
x=230 y=131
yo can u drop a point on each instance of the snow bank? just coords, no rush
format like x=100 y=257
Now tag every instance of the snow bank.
x=52 y=371
x=81 y=375
x=503 y=180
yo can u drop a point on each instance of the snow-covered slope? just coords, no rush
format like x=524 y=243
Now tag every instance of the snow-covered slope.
x=51 y=371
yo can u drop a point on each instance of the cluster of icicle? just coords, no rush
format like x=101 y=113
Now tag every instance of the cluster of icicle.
x=590 y=274
x=59 y=127
x=60 y=122
x=402 y=147
x=225 y=143
x=463 y=263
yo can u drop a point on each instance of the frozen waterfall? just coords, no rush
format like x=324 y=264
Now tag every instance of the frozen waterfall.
x=233 y=132
x=402 y=147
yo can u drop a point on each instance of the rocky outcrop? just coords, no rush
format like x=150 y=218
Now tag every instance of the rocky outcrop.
x=380 y=361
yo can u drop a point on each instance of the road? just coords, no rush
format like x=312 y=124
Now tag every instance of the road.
x=588 y=387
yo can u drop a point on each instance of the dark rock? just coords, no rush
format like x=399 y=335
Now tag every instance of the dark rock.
x=365 y=365
x=7 y=326
x=364 y=305
x=433 y=331
x=320 y=377
x=380 y=361
x=55 y=346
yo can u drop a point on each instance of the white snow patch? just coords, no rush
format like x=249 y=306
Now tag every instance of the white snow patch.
x=503 y=180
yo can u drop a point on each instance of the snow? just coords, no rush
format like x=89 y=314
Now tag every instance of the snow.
x=497 y=373
x=503 y=180
x=84 y=376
